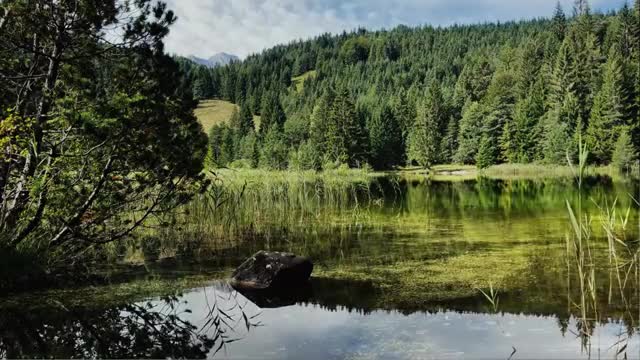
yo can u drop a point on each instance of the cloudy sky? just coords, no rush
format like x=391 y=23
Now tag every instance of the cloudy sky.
x=242 y=27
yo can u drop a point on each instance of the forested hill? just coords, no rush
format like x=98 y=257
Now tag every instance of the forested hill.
x=482 y=94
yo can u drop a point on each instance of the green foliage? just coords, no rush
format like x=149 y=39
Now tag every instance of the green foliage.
x=385 y=136
x=424 y=140
x=624 y=154
x=346 y=138
x=104 y=138
x=470 y=134
x=519 y=75
x=607 y=111
x=306 y=157
x=271 y=113
x=245 y=122
x=274 y=150
x=557 y=140
x=355 y=50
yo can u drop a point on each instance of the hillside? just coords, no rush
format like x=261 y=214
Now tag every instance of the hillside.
x=217 y=112
x=517 y=92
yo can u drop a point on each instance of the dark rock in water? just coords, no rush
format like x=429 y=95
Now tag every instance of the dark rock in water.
x=266 y=270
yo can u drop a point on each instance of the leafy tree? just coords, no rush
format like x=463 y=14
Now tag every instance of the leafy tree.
x=112 y=138
x=355 y=50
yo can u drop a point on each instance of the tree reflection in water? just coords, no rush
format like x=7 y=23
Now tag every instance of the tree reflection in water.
x=155 y=329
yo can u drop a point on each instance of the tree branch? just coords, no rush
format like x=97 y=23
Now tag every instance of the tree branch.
x=75 y=220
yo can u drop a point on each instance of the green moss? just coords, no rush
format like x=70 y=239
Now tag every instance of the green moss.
x=413 y=284
x=109 y=295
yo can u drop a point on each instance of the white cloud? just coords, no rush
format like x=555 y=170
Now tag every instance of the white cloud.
x=242 y=27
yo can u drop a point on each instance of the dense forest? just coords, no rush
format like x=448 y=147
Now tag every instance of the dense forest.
x=516 y=92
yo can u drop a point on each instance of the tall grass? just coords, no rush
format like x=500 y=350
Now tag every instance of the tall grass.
x=248 y=205
x=584 y=260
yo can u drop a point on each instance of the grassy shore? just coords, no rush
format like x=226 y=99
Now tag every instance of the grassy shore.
x=449 y=172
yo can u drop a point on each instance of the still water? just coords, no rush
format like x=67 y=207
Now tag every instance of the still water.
x=400 y=272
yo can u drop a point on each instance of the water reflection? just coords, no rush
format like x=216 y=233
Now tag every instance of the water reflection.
x=166 y=327
x=329 y=320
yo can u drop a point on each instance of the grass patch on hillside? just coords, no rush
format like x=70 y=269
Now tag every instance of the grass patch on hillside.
x=298 y=81
x=214 y=112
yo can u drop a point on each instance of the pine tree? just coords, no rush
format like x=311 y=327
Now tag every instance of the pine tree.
x=449 y=143
x=271 y=113
x=624 y=155
x=346 y=139
x=274 y=152
x=423 y=143
x=487 y=152
x=527 y=114
x=385 y=137
x=319 y=122
x=557 y=139
x=245 y=120
x=498 y=125
x=559 y=22
x=470 y=134
x=607 y=112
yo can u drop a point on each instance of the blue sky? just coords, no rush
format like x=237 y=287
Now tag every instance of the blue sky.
x=242 y=27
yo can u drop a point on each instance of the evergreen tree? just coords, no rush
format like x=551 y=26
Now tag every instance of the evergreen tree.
x=557 y=139
x=499 y=128
x=424 y=142
x=346 y=139
x=487 y=152
x=624 y=155
x=275 y=151
x=449 y=144
x=319 y=122
x=271 y=113
x=559 y=22
x=526 y=135
x=385 y=137
x=470 y=134
x=245 y=120
x=249 y=149
x=607 y=112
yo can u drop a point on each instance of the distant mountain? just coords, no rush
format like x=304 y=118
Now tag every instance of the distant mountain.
x=219 y=59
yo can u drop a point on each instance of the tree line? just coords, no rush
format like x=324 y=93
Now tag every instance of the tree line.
x=515 y=92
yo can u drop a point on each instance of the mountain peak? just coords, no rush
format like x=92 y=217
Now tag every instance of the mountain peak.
x=219 y=59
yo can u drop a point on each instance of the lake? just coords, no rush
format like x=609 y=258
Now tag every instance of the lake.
x=405 y=268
